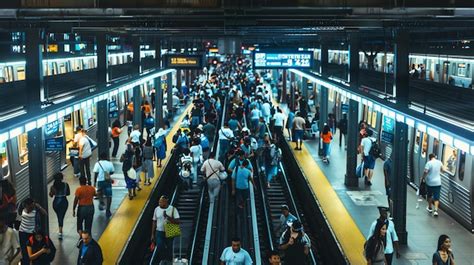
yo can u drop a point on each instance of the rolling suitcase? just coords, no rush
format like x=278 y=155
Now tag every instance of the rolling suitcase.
x=179 y=260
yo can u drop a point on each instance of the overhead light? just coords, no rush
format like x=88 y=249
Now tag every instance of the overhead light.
x=61 y=114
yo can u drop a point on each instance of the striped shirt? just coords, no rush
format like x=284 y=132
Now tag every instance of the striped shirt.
x=28 y=221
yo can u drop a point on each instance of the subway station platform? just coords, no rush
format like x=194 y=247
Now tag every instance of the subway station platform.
x=351 y=222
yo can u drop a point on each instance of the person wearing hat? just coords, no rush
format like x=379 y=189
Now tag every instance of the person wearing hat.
x=295 y=243
x=391 y=235
x=286 y=218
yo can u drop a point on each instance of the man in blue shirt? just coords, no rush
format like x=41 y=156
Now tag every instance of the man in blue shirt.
x=89 y=251
x=237 y=161
x=235 y=254
x=240 y=183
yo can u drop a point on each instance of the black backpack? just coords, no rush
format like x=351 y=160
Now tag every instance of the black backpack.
x=375 y=151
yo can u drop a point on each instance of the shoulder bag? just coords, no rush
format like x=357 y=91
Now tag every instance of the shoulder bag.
x=107 y=177
x=172 y=230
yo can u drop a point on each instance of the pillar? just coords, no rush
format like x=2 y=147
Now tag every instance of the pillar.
x=103 y=127
x=37 y=172
x=36 y=91
x=292 y=91
x=323 y=116
x=178 y=79
x=137 y=102
x=283 y=89
x=158 y=53
x=304 y=85
x=398 y=180
x=324 y=59
x=400 y=64
x=136 y=55
x=351 y=179
x=169 y=93
x=159 y=119
x=354 y=45
x=102 y=59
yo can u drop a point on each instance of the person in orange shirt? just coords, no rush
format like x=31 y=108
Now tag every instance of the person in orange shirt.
x=326 y=136
x=130 y=110
x=85 y=212
x=116 y=131
x=146 y=107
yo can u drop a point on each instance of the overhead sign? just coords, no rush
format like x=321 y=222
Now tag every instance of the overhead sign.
x=183 y=61
x=51 y=129
x=300 y=60
x=54 y=144
x=388 y=124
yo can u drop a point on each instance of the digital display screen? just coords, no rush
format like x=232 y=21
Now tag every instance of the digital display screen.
x=301 y=60
x=184 y=61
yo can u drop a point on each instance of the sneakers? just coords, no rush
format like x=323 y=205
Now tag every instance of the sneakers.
x=435 y=213
x=60 y=236
x=108 y=214
x=429 y=210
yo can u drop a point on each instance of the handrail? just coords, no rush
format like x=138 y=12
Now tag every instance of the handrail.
x=196 y=227
x=253 y=214
x=265 y=209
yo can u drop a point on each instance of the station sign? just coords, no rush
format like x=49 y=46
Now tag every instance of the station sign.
x=282 y=60
x=184 y=61
x=388 y=127
x=54 y=144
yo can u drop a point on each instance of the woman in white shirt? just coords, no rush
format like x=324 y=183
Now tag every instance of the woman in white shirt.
x=196 y=153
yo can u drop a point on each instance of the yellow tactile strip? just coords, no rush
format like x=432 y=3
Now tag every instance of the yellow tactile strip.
x=120 y=227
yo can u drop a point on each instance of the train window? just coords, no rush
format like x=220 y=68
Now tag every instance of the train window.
x=4 y=173
x=417 y=141
x=374 y=119
x=450 y=158
x=462 y=164
x=23 y=148
x=435 y=149
x=20 y=70
x=369 y=116
x=424 y=145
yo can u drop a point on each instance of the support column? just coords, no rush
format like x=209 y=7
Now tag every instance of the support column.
x=136 y=55
x=323 y=117
x=137 y=102
x=36 y=92
x=102 y=59
x=178 y=79
x=398 y=180
x=324 y=59
x=400 y=63
x=169 y=94
x=283 y=89
x=159 y=119
x=351 y=179
x=37 y=172
x=292 y=91
x=354 y=45
x=158 y=53
x=304 y=84
x=103 y=127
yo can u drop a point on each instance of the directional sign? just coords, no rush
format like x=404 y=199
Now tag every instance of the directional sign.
x=265 y=60
x=184 y=61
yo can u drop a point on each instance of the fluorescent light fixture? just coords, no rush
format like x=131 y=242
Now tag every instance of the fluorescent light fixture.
x=30 y=126
x=391 y=114
x=84 y=104
x=3 y=137
x=400 y=118
x=458 y=144
x=410 y=122
x=447 y=139
x=15 y=132
x=61 y=113
x=41 y=122
x=433 y=132
x=52 y=117
x=421 y=127
x=377 y=108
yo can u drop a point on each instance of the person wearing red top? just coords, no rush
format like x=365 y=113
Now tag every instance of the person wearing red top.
x=326 y=136
x=85 y=212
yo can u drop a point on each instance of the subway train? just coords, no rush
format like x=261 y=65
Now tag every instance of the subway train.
x=15 y=71
x=455 y=70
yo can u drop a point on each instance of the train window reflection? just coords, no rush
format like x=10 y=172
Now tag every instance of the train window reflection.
x=435 y=147
x=23 y=148
x=424 y=146
x=417 y=142
x=462 y=164
x=450 y=158
x=4 y=172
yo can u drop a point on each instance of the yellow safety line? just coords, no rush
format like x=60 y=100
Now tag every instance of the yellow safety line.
x=120 y=227
x=343 y=225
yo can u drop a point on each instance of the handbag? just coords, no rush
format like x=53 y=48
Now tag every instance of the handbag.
x=422 y=191
x=132 y=174
x=172 y=230
x=107 y=177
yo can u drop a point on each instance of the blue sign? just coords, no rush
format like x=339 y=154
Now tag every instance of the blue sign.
x=387 y=137
x=54 y=144
x=51 y=129
x=388 y=124
x=113 y=109
x=301 y=60
x=345 y=108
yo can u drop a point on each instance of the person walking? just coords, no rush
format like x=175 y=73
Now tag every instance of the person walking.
x=41 y=249
x=163 y=213
x=90 y=252
x=196 y=153
x=116 y=131
x=444 y=254
x=296 y=244
x=84 y=202
x=368 y=159
x=326 y=136
x=85 y=152
x=148 y=162
x=391 y=238
x=279 y=124
x=60 y=190
x=129 y=172
x=9 y=245
x=343 y=130
x=432 y=175
x=240 y=182
x=286 y=219
x=299 y=127
x=212 y=169
x=272 y=160
x=75 y=145
x=225 y=136
x=235 y=254
x=103 y=169
x=374 y=248
x=160 y=146
x=29 y=223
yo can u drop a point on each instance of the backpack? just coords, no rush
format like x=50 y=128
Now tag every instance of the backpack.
x=375 y=151
x=48 y=243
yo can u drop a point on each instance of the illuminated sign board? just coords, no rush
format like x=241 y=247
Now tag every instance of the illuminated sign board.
x=184 y=61
x=301 y=60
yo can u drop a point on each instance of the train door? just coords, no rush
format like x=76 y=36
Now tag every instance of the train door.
x=420 y=157
x=411 y=146
x=18 y=165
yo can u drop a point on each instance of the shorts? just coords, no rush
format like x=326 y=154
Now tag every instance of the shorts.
x=433 y=192
x=369 y=162
x=299 y=135
x=105 y=187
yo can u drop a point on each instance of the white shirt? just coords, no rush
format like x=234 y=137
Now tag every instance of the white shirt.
x=266 y=109
x=279 y=119
x=212 y=167
x=106 y=165
x=135 y=136
x=225 y=134
x=366 y=144
x=28 y=221
x=9 y=244
x=391 y=235
x=160 y=218
x=229 y=257
x=77 y=137
x=84 y=142
x=197 y=152
x=433 y=167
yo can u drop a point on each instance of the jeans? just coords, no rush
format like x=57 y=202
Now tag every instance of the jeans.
x=60 y=205
x=164 y=247
x=76 y=165
x=223 y=149
x=116 y=146
x=213 y=187
x=326 y=150
x=25 y=259
x=85 y=166
x=271 y=172
x=241 y=196
x=195 y=171
x=85 y=215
